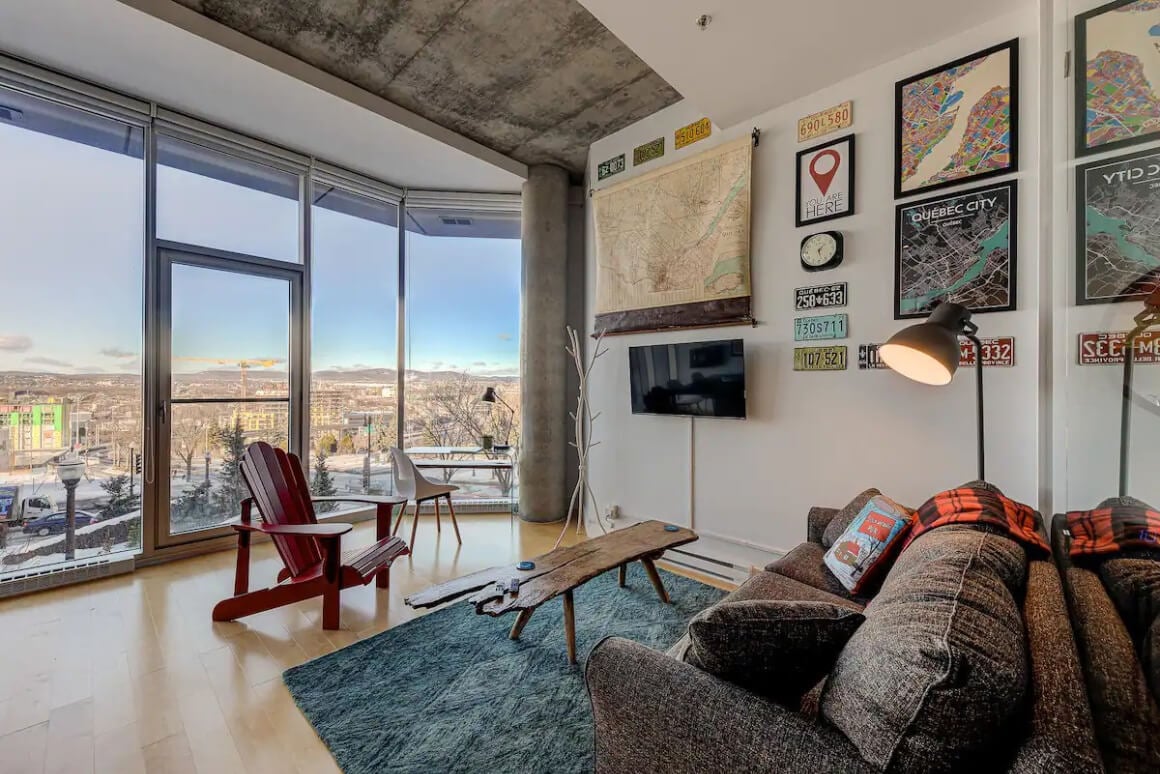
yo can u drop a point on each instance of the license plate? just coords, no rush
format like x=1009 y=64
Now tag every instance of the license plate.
x=826 y=121
x=648 y=151
x=694 y=132
x=827 y=326
x=820 y=296
x=996 y=352
x=1108 y=348
x=610 y=167
x=819 y=359
x=869 y=359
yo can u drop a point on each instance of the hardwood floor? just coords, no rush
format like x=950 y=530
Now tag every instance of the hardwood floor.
x=130 y=674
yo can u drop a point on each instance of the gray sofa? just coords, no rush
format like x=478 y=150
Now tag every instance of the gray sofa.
x=1124 y=703
x=654 y=712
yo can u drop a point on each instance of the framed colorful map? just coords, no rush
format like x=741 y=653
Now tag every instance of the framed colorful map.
x=958 y=122
x=1117 y=85
x=1117 y=228
x=959 y=247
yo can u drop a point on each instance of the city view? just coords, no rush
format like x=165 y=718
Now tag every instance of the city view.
x=353 y=425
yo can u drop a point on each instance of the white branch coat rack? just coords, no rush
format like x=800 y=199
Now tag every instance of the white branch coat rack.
x=583 y=420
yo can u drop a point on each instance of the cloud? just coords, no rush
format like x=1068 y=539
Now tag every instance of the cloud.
x=479 y=364
x=117 y=352
x=15 y=343
x=504 y=337
x=437 y=365
x=49 y=361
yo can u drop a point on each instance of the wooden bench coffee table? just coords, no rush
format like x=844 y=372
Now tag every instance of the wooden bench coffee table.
x=560 y=572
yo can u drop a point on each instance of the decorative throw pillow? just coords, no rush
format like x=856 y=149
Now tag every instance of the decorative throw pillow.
x=868 y=546
x=843 y=517
x=776 y=648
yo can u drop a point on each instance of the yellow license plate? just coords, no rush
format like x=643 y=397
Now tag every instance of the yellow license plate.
x=826 y=121
x=819 y=359
x=687 y=135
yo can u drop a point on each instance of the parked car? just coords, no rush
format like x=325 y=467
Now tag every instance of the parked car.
x=54 y=523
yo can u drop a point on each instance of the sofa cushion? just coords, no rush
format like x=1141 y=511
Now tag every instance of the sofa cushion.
x=772 y=585
x=1133 y=583
x=1124 y=708
x=931 y=679
x=779 y=649
x=805 y=564
x=846 y=515
x=865 y=551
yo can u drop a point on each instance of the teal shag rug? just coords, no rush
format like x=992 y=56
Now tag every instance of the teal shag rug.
x=449 y=692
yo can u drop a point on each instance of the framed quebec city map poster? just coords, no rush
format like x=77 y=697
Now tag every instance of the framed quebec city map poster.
x=1117 y=84
x=957 y=122
x=1118 y=228
x=672 y=246
x=959 y=247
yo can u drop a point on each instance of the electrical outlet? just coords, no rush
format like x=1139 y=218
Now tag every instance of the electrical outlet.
x=613 y=512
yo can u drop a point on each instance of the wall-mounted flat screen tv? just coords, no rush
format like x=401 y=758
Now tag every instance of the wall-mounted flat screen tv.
x=697 y=379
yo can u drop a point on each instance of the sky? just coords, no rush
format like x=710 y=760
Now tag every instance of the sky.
x=72 y=251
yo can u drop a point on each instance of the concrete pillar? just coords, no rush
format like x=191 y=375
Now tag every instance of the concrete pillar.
x=543 y=363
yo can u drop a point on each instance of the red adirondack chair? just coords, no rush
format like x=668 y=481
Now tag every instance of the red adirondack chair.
x=311 y=552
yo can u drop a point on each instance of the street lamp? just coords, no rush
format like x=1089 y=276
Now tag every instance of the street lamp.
x=207 y=459
x=70 y=469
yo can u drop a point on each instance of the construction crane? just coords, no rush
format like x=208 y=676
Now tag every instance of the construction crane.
x=244 y=364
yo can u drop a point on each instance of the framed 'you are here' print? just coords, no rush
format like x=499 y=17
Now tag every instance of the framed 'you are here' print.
x=825 y=181
x=1117 y=76
x=958 y=122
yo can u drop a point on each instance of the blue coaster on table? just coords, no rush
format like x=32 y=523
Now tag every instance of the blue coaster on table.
x=672 y=528
x=526 y=566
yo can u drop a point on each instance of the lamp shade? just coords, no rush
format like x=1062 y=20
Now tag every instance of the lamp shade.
x=928 y=352
x=489 y=395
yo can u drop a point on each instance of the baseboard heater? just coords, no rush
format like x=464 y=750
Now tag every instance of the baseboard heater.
x=52 y=577
x=707 y=565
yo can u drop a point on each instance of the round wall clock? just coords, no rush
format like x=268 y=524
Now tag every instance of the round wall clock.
x=822 y=251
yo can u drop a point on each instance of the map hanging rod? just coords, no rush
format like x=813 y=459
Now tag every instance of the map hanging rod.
x=756 y=135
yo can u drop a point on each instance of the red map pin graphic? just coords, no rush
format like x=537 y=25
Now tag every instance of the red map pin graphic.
x=823 y=179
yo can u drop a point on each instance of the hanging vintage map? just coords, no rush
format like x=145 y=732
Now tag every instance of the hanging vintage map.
x=672 y=246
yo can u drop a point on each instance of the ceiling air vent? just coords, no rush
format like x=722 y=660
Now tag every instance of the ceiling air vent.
x=455 y=221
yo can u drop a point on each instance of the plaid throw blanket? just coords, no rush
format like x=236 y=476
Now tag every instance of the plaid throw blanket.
x=975 y=505
x=1113 y=530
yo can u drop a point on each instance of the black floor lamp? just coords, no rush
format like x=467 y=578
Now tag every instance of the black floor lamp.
x=929 y=353
x=491 y=396
x=1144 y=320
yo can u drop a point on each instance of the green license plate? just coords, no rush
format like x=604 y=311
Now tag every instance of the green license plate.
x=819 y=359
x=827 y=326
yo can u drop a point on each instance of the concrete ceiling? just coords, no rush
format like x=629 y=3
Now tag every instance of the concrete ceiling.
x=537 y=81
x=758 y=54
x=114 y=45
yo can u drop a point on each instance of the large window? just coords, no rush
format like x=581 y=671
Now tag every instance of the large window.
x=158 y=320
x=70 y=330
x=353 y=354
x=463 y=336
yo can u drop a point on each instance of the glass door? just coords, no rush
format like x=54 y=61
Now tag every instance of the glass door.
x=229 y=351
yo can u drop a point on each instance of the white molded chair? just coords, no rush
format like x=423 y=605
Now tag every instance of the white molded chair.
x=410 y=483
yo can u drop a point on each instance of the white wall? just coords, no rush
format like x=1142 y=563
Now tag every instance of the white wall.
x=819 y=438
